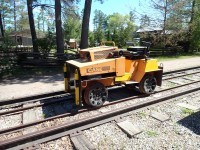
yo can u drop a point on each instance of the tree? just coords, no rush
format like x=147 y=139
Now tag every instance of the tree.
x=1 y=25
x=194 y=24
x=85 y=24
x=22 y=20
x=71 y=24
x=132 y=15
x=32 y=25
x=121 y=28
x=5 y=8
x=145 y=21
x=100 y=26
x=59 y=35
x=163 y=7
x=174 y=15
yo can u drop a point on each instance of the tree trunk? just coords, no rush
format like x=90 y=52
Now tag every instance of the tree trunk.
x=192 y=17
x=1 y=25
x=85 y=24
x=15 y=20
x=32 y=25
x=164 y=22
x=59 y=36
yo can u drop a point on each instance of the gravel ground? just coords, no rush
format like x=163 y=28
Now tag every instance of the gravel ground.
x=180 y=132
x=15 y=88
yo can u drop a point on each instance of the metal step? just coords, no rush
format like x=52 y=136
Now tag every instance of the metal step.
x=130 y=82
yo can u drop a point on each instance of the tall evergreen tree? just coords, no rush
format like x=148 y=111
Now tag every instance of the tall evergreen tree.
x=1 y=25
x=32 y=25
x=59 y=35
x=100 y=25
x=85 y=24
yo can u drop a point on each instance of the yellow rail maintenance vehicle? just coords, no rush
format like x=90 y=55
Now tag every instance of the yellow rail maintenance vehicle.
x=101 y=67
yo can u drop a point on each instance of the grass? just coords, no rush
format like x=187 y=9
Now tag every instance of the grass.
x=142 y=114
x=180 y=56
x=187 y=111
x=151 y=133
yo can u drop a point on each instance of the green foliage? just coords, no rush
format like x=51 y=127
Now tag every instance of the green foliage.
x=121 y=28
x=72 y=28
x=145 y=21
x=5 y=47
x=47 y=43
x=116 y=27
x=142 y=114
x=151 y=133
x=187 y=111
x=195 y=40
x=100 y=26
x=91 y=39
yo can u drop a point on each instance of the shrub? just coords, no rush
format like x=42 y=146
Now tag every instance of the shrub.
x=46 y=44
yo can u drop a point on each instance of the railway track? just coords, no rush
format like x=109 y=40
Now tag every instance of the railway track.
x=60 y=97
x=54 y=95
x=79 y=125
x=30 y=99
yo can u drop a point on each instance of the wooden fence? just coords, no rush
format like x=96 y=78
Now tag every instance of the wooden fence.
x=39 y=59
x=171 y=51
x=23 y=56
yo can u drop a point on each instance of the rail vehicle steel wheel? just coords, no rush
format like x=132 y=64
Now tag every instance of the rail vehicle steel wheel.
x=96 y=94
x=148 y=84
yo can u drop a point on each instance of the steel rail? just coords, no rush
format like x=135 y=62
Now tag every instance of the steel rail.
x=167 y=78
x=83 y=124
x=180 y=70
x=30 y=98
x=57 y=100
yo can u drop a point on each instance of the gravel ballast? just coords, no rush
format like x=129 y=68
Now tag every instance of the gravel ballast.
x=180 y=132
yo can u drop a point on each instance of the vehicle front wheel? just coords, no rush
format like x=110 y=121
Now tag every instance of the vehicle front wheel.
x=95 y=94
x=148 y=84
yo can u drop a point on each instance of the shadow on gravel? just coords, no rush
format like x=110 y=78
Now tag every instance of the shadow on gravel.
x=192 y=122
x=121 y=93
x=57 y=109
x=68 y=106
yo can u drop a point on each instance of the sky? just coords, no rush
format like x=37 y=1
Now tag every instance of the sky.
x=140 y=7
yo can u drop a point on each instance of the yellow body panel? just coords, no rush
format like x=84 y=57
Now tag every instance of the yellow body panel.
x=66 y=80
x=125 y=77
x=77 y=89
x=94 y=68
x=136 y=69
x=143 y=67
x=148 y=65
x=120 y=69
